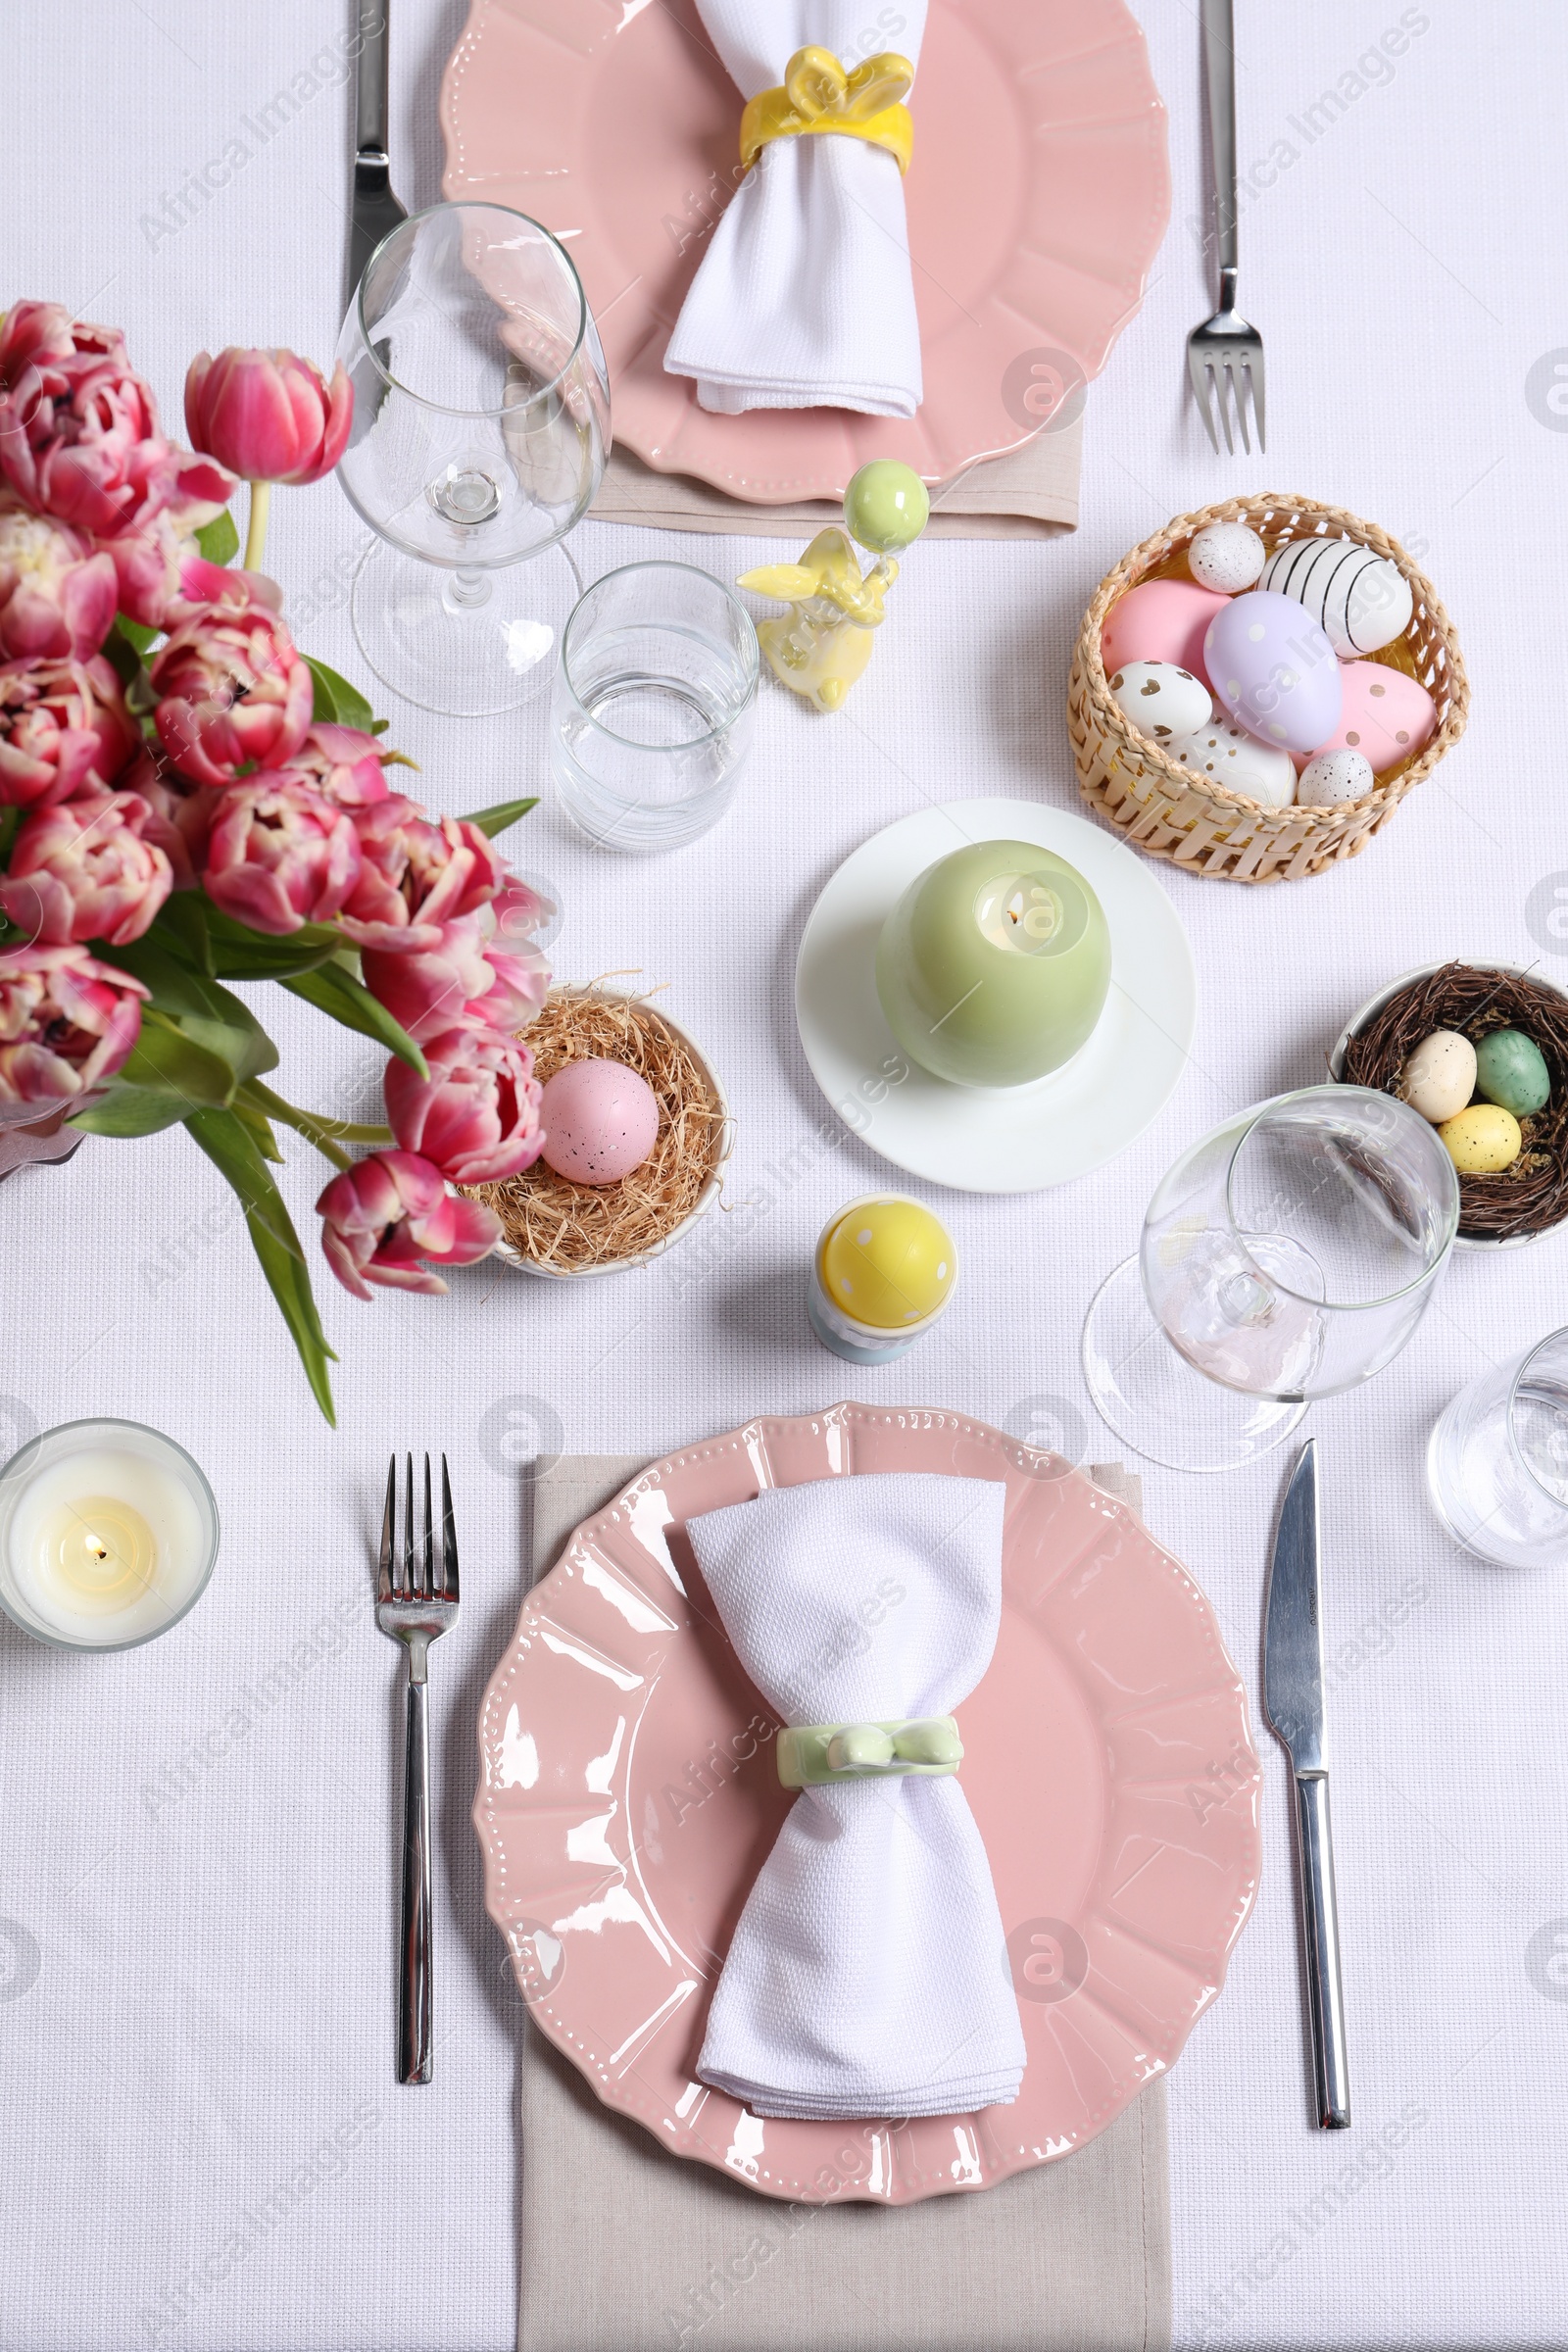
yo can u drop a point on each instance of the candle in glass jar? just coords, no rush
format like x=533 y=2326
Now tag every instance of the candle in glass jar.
x=108 y=1533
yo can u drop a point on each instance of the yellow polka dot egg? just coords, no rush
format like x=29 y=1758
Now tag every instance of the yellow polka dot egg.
x=887 y=1262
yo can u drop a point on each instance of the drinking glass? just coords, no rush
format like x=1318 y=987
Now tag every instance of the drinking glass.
x=481 y=423
x=1497 y=1460
x=1289 y=1256
x=655 y=697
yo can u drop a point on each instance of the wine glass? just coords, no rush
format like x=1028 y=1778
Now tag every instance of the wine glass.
x=1289 y=1256
x=481 y=426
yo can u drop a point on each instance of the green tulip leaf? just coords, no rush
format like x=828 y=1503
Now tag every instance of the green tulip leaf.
x=123 y=647
x=237 y=952
x=492 y=822
x=181 y=925
x=231 y=1143
x=218 y=540
x=214 y=1016
x=128 y=1111
x=164 y=1057
x=336 y=700
x=334 y=991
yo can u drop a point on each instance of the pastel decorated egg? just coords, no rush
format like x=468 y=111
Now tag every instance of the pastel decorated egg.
x=1439 y=1077
x=1511 y=1070
x=1333 y=777
x=600 y=1120
x=887 y=1262
x=1159 y=699
x=1226 y=557
x=1482 y=1141
x=1238 y=762
x=1384 y=714
x=1359 y=598
x=1159 y=620
x=1274 y=670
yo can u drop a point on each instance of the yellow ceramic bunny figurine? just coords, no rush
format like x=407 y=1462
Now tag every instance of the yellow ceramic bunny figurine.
x=822 y=645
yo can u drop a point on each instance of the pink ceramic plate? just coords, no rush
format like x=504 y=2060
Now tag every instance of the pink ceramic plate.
x=1036 y=200
x=628 y=1794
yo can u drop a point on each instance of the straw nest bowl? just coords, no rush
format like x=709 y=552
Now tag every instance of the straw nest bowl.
x=1530 y=1198
x=568 y=1231
x=1171 y=812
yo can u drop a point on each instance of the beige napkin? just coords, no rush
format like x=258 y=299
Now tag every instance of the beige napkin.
x=1032 y=493
x=625 y=2248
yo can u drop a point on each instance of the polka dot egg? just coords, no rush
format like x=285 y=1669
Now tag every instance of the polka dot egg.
x=1238 y=762
x=1335 y=777
x=887 y=1262
x=600 y=1120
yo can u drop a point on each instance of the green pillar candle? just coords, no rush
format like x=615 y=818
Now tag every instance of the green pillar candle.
x=994 y=966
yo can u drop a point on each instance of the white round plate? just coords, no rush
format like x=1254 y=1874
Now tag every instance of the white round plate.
x=1017 y=1139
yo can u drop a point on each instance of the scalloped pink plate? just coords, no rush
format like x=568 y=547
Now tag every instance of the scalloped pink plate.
x=628 y=1794
x=1036 y=200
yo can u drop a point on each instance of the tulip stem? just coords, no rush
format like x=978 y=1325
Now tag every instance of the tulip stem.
x=256 y=530
x=327 y=1134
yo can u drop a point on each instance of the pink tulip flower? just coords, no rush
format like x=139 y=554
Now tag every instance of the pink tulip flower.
x=267 y=415
x=63 y=730
x=232 y=690
x=279 y=854
x=387 y=1213
x=179 y=815
x=80 y=436
x=344 y=764
x=67 y=1022
x=435 y=982
x=419 y=872
x=83 y=870
x=57 y=596
x=477 y=1113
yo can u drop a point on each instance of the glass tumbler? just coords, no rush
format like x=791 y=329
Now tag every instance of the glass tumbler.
x=481 y=426
x=1497 y=1460
x=655 y=698
x=1288 y=1254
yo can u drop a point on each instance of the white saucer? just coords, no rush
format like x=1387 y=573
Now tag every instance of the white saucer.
x=1017 y=1139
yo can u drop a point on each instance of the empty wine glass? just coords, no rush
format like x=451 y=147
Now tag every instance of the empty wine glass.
x=1290 y=1254
x=1497 y=1460
x=481 y=423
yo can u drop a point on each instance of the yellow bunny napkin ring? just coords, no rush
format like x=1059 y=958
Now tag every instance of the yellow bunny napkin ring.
x=818 y=94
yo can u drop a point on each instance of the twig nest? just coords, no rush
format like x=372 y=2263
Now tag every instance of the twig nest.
x=1506 y=1193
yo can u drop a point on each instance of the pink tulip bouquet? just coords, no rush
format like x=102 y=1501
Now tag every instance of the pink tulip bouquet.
x=186 y=801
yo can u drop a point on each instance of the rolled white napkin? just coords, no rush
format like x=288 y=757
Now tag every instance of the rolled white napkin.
x=803 y=299
x=867 y=1975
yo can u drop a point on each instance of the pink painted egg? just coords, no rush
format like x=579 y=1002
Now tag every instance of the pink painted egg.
x=600 y=1120
x=1274 y=670
x=1161 y=620
x=1386 y=716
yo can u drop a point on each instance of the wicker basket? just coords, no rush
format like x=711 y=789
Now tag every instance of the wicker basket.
x=1171 y=812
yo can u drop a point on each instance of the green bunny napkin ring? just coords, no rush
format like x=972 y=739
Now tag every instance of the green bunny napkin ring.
x=815 y=1754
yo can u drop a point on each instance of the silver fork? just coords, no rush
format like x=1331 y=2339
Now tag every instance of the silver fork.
x=377 y=212
x=416 y=1602
x=1225 y=355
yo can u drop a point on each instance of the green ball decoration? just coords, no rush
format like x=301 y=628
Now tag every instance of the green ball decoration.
x=1511 y=1071
x=886 y=507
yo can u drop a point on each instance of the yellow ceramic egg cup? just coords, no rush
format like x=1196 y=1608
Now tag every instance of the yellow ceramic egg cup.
x=883 y=1272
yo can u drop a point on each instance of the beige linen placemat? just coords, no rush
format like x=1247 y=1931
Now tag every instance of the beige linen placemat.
x=625 y=2248
x=1031 y=493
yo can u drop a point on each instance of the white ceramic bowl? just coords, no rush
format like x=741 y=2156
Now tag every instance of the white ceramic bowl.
x=1374 y=1004
x=710 y=1190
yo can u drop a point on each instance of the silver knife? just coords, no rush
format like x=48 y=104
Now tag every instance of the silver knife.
x=1293 y=1701
x=377 y=212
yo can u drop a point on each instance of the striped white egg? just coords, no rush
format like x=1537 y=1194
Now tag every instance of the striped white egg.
x=1238 y=762
x=1357 y=597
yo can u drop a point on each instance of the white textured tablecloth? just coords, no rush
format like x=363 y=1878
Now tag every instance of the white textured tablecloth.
x=201 y=2143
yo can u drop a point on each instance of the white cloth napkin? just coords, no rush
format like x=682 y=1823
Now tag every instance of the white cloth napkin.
x=869 y=1973
x=803 y=299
